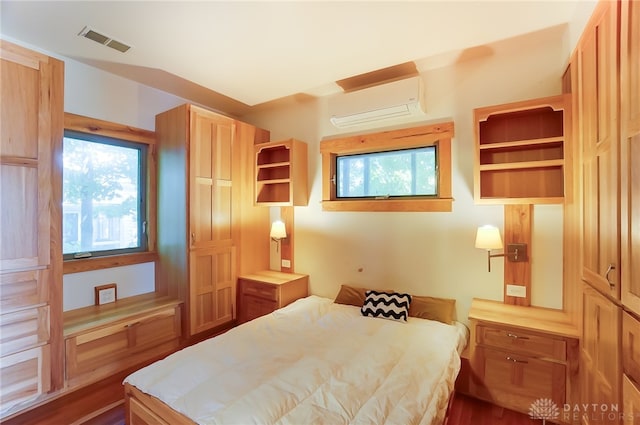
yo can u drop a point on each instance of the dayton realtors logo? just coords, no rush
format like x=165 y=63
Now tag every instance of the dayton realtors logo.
x=544 y=408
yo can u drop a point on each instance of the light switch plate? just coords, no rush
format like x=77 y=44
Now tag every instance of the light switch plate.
x=517 y=291
x=286 y=263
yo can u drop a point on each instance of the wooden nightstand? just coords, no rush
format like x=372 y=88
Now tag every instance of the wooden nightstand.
x=263 y=292
x=522 y=354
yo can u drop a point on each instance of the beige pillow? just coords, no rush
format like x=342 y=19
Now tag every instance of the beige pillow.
x=432 y=308
x=351 y=295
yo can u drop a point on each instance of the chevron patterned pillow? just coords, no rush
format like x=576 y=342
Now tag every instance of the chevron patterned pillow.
x=386 y=305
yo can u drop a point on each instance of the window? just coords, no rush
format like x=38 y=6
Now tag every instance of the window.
x=397 y=170
x=406 y=172
x=104 y=196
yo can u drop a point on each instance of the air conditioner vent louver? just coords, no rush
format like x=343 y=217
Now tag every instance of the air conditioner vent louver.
x=403 y=98
x=103 y=39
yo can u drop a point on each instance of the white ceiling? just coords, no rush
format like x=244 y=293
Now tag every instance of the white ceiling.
x=256 y=52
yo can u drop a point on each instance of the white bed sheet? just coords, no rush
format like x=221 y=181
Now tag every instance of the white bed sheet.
x=313 y=362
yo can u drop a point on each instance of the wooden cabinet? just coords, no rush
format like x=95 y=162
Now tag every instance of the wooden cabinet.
x=598 y=103
x=600 y=350
x=631 y=367
x=519 y=355
x=100 y=341
x=281 y=173
x=198 y=210
x=631 y=397
x=265 y=291
x=631 y=358
x=212 y=288
x=519 y=152
x=30 y=269
x=630 y=153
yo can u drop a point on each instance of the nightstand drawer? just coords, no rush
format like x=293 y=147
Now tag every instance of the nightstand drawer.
x=514 y=380
x=256 y=307
x=522 y=342
x=259 y=289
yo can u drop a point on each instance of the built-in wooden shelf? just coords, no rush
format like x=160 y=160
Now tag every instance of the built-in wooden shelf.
x=520 y=152
x=82 y=319
x=281 y=173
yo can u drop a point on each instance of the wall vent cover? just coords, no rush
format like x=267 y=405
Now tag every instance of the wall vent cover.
x=103 y=39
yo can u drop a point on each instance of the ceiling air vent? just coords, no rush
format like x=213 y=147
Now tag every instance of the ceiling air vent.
x=103 y=39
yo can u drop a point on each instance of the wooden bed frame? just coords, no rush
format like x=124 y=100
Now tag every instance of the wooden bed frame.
x=144 y=409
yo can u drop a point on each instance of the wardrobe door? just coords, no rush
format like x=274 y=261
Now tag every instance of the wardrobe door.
x=598 y=106
x=630 y=153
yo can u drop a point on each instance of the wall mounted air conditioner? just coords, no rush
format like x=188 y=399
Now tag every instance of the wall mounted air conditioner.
x=402 y=98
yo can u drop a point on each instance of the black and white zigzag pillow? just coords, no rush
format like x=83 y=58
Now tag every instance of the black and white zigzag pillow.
x=386 y=305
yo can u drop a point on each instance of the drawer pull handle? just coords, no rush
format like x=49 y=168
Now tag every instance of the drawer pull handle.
x=606 y=276
x=130 y=325
x=510 y=335
x=512 y=359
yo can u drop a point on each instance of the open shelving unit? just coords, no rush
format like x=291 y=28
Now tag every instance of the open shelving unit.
x=520 y=152
x=281 y=173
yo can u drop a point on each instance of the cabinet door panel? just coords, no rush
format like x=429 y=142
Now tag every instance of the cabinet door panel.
x=24 y=376
x=600 y=350
x=630 y=152
x=631 y=346
x=23 y=289
x=157 y=329
x=19 y=244
x=598 y=107
x=210 y=178
x=23 y=329
x=87 y=353
x=212 y=288
x=631 y=397
x=25 y=146
x=517 y=381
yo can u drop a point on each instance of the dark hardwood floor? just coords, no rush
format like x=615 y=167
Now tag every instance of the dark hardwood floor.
x=466 y=410
x=77 y=409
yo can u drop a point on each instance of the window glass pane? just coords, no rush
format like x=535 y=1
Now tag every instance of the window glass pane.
x=407 y=172
x=103 y=195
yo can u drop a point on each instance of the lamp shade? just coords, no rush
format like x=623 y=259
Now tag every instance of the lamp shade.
x=488 y=237
x=278 y=230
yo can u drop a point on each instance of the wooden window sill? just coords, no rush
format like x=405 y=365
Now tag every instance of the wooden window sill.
x=98 y=263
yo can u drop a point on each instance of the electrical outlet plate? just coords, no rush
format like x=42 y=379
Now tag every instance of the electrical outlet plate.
x=286 y=263
x=517 y=291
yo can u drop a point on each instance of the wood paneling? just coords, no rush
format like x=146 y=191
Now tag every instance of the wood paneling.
x=517 y=230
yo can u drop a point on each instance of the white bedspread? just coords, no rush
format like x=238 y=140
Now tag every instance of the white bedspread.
x=313 y=362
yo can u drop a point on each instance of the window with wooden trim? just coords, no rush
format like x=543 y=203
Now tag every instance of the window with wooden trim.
x=398 y=170
x=108 y=194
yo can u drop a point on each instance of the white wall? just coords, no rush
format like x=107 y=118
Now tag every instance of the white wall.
x=431 y=253
x=423 y=252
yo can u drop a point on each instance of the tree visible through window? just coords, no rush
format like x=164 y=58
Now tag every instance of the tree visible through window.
x=407 y=172
x=103 y=195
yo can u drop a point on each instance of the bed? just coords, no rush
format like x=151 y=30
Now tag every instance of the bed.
x=311 y=362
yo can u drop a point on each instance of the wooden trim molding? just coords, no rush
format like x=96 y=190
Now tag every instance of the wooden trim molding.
x=108 y=129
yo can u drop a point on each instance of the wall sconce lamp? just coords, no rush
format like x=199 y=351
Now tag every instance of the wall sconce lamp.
x=278 y=232
x=488 y=237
